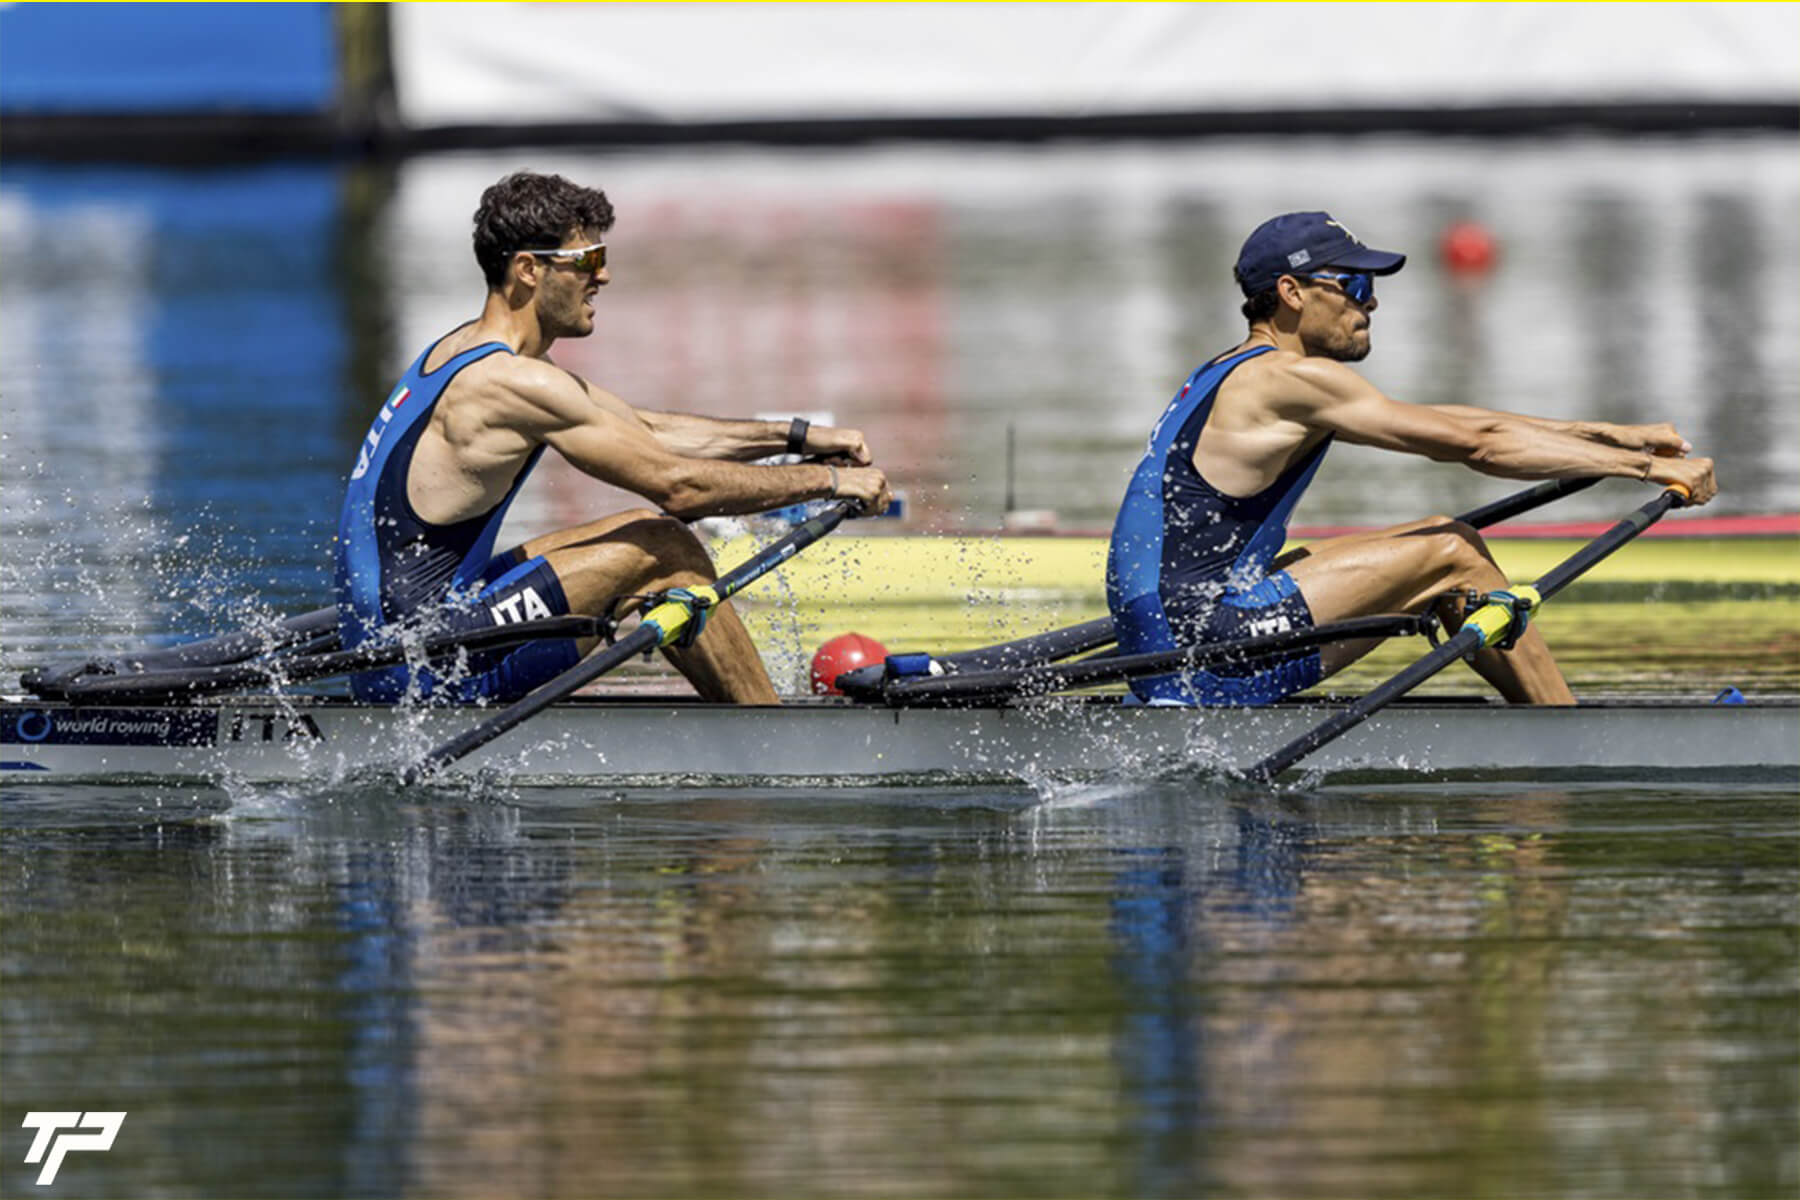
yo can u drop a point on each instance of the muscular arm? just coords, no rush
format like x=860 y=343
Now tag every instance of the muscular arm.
x=1658 y=439
x=1328 y=395
x=717 y=437
x=713 y=437
x=604 y=437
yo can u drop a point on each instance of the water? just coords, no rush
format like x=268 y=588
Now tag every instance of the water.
x=1140 y=988
x=1151 y=990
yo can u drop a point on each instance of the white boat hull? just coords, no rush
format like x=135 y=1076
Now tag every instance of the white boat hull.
x=301 y=738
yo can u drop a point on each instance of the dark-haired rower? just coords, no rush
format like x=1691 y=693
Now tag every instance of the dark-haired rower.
x=456 y=438
x=1194 y=550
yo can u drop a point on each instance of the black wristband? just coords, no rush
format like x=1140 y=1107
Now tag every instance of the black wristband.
x=797 y=435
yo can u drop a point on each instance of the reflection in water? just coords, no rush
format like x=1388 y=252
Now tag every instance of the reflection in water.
x=1155 y=990
x=1162 y=1080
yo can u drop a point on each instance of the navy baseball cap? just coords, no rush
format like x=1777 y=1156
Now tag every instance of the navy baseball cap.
x=1297 y=243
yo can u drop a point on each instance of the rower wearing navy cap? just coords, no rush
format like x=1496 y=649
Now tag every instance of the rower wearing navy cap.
x=1196 y=554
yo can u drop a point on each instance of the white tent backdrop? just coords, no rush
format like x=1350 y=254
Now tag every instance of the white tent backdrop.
x=498 y=64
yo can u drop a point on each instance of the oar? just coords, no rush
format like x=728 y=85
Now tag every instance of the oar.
x=311 y=633
x=187 y=683
x=973 y=687
x=1508 y=507
x=1484 y=626
x=878 y=682
x=659 y=627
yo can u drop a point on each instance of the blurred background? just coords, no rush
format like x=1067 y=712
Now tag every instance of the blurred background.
x=995 y=237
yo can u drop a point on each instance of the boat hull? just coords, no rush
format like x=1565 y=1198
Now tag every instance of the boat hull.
x=300 y=738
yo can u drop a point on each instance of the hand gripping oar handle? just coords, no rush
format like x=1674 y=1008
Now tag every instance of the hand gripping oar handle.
x=660 y=626
x=1485 y=624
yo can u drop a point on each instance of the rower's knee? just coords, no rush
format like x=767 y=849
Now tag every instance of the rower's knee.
x=1459 y=556
x=669 y=545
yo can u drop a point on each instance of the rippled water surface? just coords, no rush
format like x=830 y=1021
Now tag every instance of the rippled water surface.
x=1143 y=989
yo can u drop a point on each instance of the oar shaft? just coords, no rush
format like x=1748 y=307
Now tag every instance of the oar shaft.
x=1567 y=571
x=1467 y=639
x=1508 y=507
x=1334 y=727
x=291 y=668
x=976 y=686
x=641 y=640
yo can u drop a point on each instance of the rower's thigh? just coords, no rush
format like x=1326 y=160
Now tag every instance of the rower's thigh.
x=592 y=531
x=1403 y=569
x=622 y=557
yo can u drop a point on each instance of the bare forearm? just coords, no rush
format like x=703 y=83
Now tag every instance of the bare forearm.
x=1661 y=438
x=710 y=488
x=1468 y=412
x=1523 y=450
x=716 y=438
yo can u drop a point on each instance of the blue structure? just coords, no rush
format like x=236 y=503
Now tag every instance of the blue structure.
x=167 y=58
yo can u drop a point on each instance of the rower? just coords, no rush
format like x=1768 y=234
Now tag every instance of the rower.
x=455 y=440
x=1196 y=549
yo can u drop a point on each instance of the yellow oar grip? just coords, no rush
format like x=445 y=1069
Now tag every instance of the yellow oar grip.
x=1682 y=488
x=1495 y=620
x=671 y=616
x=1492 y=621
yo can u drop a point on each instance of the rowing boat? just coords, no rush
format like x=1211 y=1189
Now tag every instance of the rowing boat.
x=1017 y=710
x=831 y=740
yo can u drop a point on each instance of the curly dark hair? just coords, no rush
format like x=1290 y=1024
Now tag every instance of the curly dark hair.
x=1261 y=306
x=528 y=211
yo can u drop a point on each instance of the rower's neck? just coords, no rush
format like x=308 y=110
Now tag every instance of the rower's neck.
x=1264 y=333
x=512 y=320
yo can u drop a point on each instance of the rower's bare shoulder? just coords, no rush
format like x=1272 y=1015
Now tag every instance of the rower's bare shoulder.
x=517 y=379
x=1282 y=379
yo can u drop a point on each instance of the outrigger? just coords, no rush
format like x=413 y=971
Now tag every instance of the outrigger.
x=225 y=707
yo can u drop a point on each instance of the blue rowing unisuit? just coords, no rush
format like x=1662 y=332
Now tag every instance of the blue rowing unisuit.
x=391 y=564
x=1189 y=564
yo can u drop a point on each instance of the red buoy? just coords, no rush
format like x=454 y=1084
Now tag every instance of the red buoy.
x=846 y=652
x=1468 y=248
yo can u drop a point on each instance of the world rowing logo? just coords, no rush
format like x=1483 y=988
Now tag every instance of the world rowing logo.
x=34 y=726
